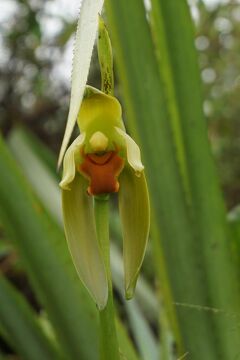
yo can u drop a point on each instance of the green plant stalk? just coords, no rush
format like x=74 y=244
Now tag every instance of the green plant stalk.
x=105 y=58
x=108 y=335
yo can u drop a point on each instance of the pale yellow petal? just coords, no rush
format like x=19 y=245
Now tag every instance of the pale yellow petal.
x=69 y=166
x=135 y=218
x=133 y=152
x=78 y=216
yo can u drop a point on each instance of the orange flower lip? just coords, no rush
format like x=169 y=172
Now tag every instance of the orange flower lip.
x=102 y=172
x=101 y=159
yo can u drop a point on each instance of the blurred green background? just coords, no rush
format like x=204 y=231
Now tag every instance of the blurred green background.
x=36 y=42
x=35 y=67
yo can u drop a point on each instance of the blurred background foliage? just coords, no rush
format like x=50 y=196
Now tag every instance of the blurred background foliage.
x=36 y=39
x=36 y=50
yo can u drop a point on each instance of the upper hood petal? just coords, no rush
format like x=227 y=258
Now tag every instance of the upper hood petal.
x=99 y=112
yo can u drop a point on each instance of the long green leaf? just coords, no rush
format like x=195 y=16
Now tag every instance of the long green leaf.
x=148 y=116
x=18 y=320
x=172 y=22
x=43 y=248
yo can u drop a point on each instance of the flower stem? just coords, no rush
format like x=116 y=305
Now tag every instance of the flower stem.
x=105 y=58
x=108 y=336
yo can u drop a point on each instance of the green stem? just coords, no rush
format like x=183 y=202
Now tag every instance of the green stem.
x=105 y=58
x=108 y=336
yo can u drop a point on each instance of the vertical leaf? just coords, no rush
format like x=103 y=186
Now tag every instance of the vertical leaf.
x=148 y=116
x=172 y=22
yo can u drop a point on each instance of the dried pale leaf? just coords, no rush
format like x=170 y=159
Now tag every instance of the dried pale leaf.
x=85 y=37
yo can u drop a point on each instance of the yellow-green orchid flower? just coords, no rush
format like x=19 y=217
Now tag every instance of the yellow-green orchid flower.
x=103 y=159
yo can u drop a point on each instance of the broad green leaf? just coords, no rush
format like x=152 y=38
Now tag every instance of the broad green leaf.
x=19 y=321
x=173 y=23
x=85 y=37
x=135 y=217
x=82 y=239
x=175 y=233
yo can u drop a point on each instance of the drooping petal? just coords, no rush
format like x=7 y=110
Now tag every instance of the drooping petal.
x=85 y=37
x=82 y=240
x=133 y=152
x=135 y=218
x=69 y=166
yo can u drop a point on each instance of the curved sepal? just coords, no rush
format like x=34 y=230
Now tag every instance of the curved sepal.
x=69 y=163
x=135 y=218
x=133 y=152
x=82 y=240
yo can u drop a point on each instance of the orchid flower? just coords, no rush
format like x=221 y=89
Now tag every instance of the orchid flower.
x=102 y=160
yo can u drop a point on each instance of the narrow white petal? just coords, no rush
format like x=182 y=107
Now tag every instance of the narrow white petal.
x=85 y=37
x=133 y=152
x=69 y=167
